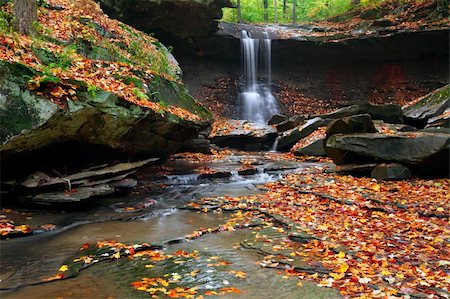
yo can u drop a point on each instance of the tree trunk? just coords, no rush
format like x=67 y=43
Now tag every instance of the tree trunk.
x=266 y=10
x=294 y=11
x=25 y=14
x=275 y=13
x=239 y=16
x=284 y=7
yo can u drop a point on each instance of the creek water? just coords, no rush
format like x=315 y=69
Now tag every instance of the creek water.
x=28 y=260
x=257 y=101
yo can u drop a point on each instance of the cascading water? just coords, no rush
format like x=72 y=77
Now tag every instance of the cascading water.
x=257 y=101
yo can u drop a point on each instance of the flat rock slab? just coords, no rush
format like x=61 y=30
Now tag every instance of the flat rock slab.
x=242 y=134
x=39 y=180
x=75 y=195
x=442 y=120
x=389 y=113
x=428 y=151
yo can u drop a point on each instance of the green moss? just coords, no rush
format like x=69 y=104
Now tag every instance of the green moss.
x=439 y=95
x=20 y=109
x=100 y=29
x=53 y=60
x=17 y=115
x=5 y=22
x=133 y=80
x=436 y=97
x=98 y=51
x=174 y=94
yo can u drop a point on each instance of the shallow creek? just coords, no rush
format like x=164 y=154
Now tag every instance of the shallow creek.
x=154 y=217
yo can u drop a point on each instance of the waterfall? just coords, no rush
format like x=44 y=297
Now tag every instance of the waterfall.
x=257 y=101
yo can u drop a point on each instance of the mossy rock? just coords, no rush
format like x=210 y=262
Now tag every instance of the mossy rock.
x=30 y=122
x=430 y=106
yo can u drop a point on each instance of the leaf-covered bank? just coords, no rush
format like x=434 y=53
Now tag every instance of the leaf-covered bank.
x=86 y=78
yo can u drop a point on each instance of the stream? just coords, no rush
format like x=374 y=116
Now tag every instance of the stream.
x=151 y=213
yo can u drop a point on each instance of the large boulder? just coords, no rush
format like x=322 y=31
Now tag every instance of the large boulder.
x=242 y=134
x=352 y=124
x=36 y=133
x=422 y=151
x=430 y=107
x=31 y=122
x=389 y=113
x=97 y=85
x=169 y=19
x=347 y=125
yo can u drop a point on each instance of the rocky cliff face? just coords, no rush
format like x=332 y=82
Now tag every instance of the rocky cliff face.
x=170 y=20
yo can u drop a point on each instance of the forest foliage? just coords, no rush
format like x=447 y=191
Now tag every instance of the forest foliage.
x=253 y=11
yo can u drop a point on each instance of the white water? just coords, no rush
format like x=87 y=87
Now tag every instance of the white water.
x=257 y=101
x=275 y=144
x=184 y=178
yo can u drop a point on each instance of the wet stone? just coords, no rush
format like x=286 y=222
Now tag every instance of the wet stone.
x=392 y=171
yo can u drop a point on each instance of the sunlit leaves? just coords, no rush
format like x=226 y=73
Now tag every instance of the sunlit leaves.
x=354 y=233
x=8 y=229
x=82 y=23
x=63 y=268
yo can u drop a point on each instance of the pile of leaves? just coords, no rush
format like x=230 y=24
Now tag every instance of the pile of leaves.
x=9 y=229
x=367 y=239
x=310 y=139
x=78 y=48
x=12 y=225
x=172 y=275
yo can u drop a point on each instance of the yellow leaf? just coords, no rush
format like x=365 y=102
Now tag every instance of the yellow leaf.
x=241 y=274
x=116 y=255
x=440 y=209
x=149 y=266
x=337 y=276
x=343 y=268
x=341 y=255
x=194 y=272
x=64 y=268
x=299 y=283
x=385 y=272
x=377 y=187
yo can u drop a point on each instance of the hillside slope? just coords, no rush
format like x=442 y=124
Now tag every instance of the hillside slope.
x=85 y=78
